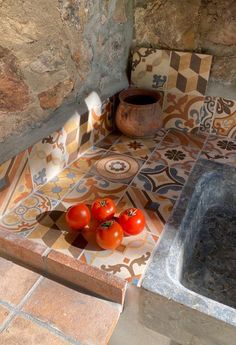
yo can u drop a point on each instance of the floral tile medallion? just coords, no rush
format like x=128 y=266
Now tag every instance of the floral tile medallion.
x=161 y=179
x=220 y=149
x=61 y=184
x=175 y=157
x=26 y=216
x=156 y=208
x=140 y=148
x=128 y=261
x=224 y=122
x=117 y=168
x=182 y=112
x=92 y=187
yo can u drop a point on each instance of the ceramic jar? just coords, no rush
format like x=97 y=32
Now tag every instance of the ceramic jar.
x=139 y=114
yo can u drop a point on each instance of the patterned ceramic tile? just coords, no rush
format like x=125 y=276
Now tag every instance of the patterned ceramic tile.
x=27 y=215
x=156 y=208
x=47 y=158
x=15 y=182
x=207 y=113
x=224 y=122
x=108 y=141
x=182 y=112
x=117 y=168
x=53 y=231
x=189 y=73
x=100 y=120
x=161 y=179
x=78 y=136
x=150 y=68
x=222 y=150
x=88 y=159
x=91 y=187
x=178 y=157
x=177 y=138
x=160 y=135
x=62 y=183
x=140 y=148
x=128 y=261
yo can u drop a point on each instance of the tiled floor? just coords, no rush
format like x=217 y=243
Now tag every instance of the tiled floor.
x=148 y=174
x=29 y=311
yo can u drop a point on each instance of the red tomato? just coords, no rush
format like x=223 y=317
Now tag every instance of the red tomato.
x=103 y=209
x=89 y=232
x=109 y=235
x=132 y=221
x=78 y=216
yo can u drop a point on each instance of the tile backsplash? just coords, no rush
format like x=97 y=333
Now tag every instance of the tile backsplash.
x=183 y=78
x=33 y=168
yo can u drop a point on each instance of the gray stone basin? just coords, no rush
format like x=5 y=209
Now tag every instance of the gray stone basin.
x=191 y=279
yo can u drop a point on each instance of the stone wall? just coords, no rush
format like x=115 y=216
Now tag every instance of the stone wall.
x=207 y=26
x=54 y=52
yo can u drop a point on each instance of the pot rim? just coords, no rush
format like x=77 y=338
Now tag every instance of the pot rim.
x=142 y=92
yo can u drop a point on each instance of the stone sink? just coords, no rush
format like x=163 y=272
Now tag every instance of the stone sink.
x=189 y=288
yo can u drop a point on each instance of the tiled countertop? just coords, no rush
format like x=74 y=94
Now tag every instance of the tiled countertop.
x=148 y=174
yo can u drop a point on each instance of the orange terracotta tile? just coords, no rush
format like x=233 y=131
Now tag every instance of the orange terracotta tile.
x=86 y=276
x=16 y=281
x=21 y=249
x=26 y=332
x=83 y=317
x=4 y=312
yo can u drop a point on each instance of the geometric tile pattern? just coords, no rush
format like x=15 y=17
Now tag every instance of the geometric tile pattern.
x=161 y=179
x=182 y=112
x=100 y=121
x=150 y=68
x=88 y=159
x=156 y=208
x=188 y=73
x=15 y=182
x=224 y=122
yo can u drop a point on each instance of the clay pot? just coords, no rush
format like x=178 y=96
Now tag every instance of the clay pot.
x=139 y=114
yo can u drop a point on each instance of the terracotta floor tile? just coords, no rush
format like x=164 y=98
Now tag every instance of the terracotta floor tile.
x=156 y=208
x=16 y=281
x=85 y=318
x=4 y=312
x=161 y=179
x=62 y=183
x=117 y=168
x=26 y=332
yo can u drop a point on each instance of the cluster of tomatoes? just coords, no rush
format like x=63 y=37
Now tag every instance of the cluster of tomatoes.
x=101 y=222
